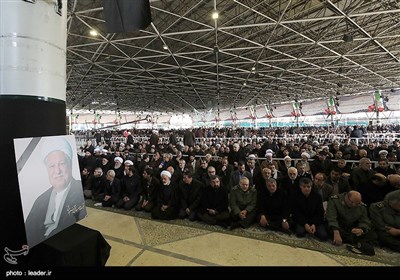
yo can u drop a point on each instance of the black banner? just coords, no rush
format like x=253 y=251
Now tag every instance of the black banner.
x=126 y=15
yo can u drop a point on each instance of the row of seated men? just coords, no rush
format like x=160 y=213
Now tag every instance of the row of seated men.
x=278 y=148
x=321 y=161
x=299 y=209
x=339 y=176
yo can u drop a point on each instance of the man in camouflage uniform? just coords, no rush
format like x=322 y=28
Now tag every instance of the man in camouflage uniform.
x=348 y=220
x=385 y=216
x=243 y=201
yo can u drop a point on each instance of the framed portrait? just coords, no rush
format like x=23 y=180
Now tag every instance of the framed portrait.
x=50 y=185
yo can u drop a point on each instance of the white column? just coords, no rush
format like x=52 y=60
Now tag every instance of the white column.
x=33 y=48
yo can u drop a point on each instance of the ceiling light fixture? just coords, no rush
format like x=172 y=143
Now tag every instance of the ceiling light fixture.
x=215 y=15
x=93 y=32
x=165 y=47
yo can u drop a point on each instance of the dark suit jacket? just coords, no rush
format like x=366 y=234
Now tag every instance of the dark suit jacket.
x=73 y=210
x=235 y=178
x=190 y=197
x=216 y=199
x=189 y=138
x=307 y=210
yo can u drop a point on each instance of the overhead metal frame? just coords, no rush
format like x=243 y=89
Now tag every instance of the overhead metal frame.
x=256 y=52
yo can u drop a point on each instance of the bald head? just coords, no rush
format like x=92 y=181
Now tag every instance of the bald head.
x=353 y=198
x=394 y=180
x=379 y=179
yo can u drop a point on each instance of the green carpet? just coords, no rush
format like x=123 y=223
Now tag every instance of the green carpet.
x=384 y=256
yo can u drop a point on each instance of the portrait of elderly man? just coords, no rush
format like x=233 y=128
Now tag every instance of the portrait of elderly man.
x=62 y=203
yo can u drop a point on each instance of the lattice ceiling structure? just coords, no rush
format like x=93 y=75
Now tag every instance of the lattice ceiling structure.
x=256 y=52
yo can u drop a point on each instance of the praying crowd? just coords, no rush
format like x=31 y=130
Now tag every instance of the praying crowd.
x=332 y=188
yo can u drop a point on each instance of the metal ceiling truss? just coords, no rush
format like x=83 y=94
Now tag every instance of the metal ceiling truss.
x=256 y=52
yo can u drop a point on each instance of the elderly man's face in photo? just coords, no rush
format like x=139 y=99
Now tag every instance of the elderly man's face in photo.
x=59 y=170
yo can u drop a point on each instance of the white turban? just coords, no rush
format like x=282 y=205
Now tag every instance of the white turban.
x=118 y=159
x=166 y=173
x=252 y=156
x=305 y=154
x=56 y=143
x=268 y=155
x=128 y=162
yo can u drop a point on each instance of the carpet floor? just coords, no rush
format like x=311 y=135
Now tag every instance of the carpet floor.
x=384 y=256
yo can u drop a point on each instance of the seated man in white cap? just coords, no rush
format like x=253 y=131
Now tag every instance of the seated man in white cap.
x=166 y=207
x=118 y=167
x=268 y=156
x=285 y=164
x=382 y=154
x=127 y=164
x=304 y=159
x=62 y=204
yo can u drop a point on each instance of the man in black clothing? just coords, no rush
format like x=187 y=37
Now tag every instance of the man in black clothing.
x=214 y=204
x=94 y=189
x=167 y=200
x=172 y=138
x=131 y=188
x=112 y=191
x=189 y=195
x=150 y=188
x=154 y=138
x=273 y=207
x=308 y=211
x=189 y=138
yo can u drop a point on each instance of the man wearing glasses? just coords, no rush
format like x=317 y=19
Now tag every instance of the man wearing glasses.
x=349 y=223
